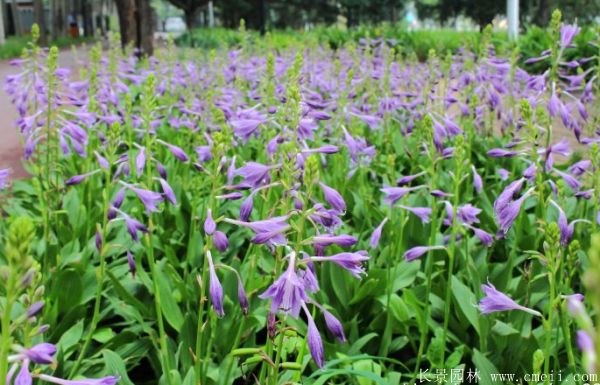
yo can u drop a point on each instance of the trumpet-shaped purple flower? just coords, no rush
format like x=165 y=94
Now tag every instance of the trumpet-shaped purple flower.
x=131 y=263
x=349 y=261
x=567 y=34
x=150 y=199
x=507 y=215
x=109 y=380
x=41 y=353
x=168 y=191
x=4 y=173
x=334 y=325
x=75 y=180
x=209 y=224
x=394 y=194
x=343 y=240
x=215 y=289
x=418 y=251
x=140 y=161
x=422 y=212
x=313 y=339
x=270 y=231
x=133 y=226
x=254 y=173
x=333 y=198
x=287 y=292
x=242 y=297
x=220 y=240
x=495 y=301
x=477 y=181
x=176 y=151
x=376 y=235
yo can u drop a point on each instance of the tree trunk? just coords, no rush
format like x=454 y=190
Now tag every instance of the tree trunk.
x=40 y=19
x=191 y=16
x=127 y=21
x=2 y=36
x=16 y=18
x=88 y=22
x=146 y=23
x=136 y=24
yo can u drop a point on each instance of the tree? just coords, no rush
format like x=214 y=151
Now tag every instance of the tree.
x=2 y=38
x=136 y=24
x=482 y=13
x=191 y=9
x=40 y=19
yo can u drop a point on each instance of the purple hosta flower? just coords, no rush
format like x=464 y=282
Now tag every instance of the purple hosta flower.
x=334 y=325
x=109 y=380
x=502 y=153
x=467 y=214
x=34 y=309
x=133 y=226
x=231 y=196
x=374 y=241
x=313 y=339
x=162 y=171
x=176 y=151
x=333 y=198
x=287 y=293
x=24 y=375
x=307 y=275
x=370 y=120
x=495 y=300
x=326 y=149
x=422 y=212
x=329 y=219
x=349 y=261
x=553 y=105
x=567 y=34
x=586 y=344
x=418 y=251
x=254 y=173
x=580 y=167
x=209 y=224
x=4 y=173
x=404 y=180
x=477 y=181
x=483 y=236
x=566 y=229
x=242 y=297
x=220 y=241
x=102 y=161
x=506 y=196
x=214 y=288
x=41 y=353
x=140 y=161
x=150 y=199
x=270 y=231
x=75 y=180
x=244 y=128
x=168 y=191
x=573 y=183
x=503 y=174
x=98 y=241
x=131 y=263
x=343 y=240
x=439 y=194
x=508 y=214
x=246 y=207
x=530 y=172
x=560 y=148
x=393 y=194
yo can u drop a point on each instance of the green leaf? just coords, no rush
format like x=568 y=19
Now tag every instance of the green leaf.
x=116 y=367
x=70 y=338
x=504 y=329
x=170 y=309
x=484 y=367
x=467 y=301
x=103 y=335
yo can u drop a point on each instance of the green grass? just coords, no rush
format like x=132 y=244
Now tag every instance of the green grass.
x=14 y=45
